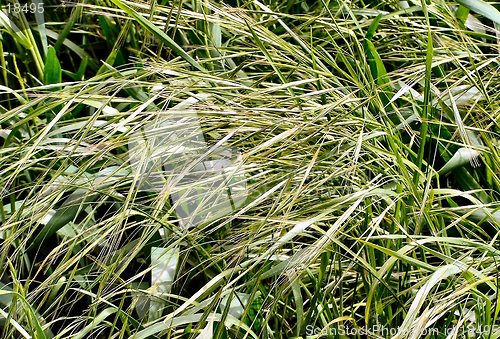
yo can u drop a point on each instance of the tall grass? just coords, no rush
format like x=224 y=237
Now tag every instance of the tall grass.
x=369 y=138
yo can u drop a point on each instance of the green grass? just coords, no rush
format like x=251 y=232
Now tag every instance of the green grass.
x=368 y=134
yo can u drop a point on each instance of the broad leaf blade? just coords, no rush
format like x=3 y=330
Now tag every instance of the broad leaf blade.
x=52 y=70
x=462 y=157
x=164 y=262
x=483 y=8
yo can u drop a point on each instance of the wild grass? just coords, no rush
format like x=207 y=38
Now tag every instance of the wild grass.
x=368 y=134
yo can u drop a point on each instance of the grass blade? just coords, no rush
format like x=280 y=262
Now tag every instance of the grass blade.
x=162 y=36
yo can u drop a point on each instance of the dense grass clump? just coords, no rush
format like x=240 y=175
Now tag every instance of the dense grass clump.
x=363 y=140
